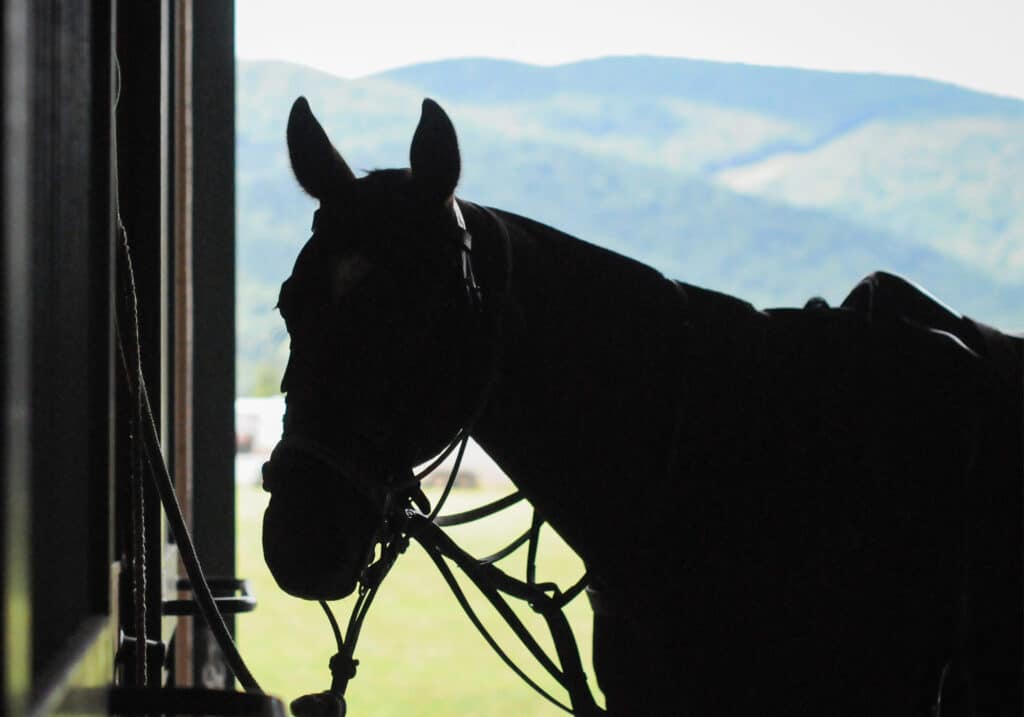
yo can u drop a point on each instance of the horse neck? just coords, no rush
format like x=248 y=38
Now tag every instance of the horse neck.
x=585 y=403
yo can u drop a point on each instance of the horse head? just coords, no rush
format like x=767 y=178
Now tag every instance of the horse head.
x=384 y=358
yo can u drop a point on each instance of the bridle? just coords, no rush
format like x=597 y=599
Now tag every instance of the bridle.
x=405 y=513
x=384 y=495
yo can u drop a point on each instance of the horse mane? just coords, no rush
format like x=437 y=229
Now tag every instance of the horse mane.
x=578 y=261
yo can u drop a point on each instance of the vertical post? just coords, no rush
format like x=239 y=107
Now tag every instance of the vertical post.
x=213 y=96
x=183 y=306
x=15 y=349
x=103 y=289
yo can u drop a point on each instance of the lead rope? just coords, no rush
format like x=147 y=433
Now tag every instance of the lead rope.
x=165 y=488
x=149 y=440
x=133 y=364
x=146 y=450
x=129 y=305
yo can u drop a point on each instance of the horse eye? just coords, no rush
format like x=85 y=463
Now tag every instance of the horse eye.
x=347 y=273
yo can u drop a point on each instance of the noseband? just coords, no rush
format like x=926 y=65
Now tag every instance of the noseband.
x=405 y=512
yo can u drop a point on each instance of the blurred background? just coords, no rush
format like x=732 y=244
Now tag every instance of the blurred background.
x=773 y=151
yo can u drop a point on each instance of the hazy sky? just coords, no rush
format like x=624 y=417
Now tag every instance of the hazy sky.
x=976 y=43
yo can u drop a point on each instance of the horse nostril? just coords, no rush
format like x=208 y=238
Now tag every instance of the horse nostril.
x=280 y=465
x=306 y=550
x=316 y=529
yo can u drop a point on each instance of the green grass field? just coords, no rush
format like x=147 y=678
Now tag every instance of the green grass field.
x=418 y=653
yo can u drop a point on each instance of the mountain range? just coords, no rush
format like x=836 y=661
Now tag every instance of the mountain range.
x=772 y=184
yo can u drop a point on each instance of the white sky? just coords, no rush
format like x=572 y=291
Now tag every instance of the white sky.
x=975 y=43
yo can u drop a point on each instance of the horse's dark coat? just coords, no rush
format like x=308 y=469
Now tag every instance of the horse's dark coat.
x=804 y=554
x=790 y=511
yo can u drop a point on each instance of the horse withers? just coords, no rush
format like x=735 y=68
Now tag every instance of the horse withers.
x=800 y=511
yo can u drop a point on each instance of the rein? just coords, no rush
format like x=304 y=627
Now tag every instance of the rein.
x=406 y=514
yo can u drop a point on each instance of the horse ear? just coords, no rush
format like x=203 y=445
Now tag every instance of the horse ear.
x=434 y=154
x=315 y=161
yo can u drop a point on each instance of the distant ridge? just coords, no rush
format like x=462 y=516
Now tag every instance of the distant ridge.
x=819 y=98
x=771 y=184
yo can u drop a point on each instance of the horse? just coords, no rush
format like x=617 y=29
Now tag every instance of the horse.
x=797 y=511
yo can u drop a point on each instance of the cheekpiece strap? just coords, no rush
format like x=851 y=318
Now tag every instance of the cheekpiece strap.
x=472 y=288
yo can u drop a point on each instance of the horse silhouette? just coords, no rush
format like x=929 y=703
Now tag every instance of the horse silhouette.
x=808 y=511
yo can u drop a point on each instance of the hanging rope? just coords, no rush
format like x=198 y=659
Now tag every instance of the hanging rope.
x=130 y=308
x=147 y=452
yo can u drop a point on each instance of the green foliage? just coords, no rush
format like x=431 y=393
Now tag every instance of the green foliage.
x=953 y=184
x=261 y=349
x=265 y=380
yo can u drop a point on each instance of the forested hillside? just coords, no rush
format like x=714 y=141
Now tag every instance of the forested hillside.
x=768 y=183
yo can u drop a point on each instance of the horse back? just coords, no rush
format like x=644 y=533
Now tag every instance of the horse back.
x=845 y=523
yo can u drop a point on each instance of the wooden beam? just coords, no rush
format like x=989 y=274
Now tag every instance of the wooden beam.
x=15 y=356
x=213 y=215
x=183 y=304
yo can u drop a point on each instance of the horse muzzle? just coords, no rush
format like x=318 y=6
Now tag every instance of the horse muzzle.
x=317 y=531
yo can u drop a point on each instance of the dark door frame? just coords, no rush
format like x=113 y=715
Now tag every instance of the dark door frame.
x=61 y=514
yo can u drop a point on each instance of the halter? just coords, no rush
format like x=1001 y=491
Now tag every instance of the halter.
x=405 y=513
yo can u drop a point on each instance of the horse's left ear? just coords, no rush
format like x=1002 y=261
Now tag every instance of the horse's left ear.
x=434 y=155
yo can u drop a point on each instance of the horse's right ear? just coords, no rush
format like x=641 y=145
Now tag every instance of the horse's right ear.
x=315 y=161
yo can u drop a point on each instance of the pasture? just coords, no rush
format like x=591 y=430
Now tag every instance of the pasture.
x=418 y=653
